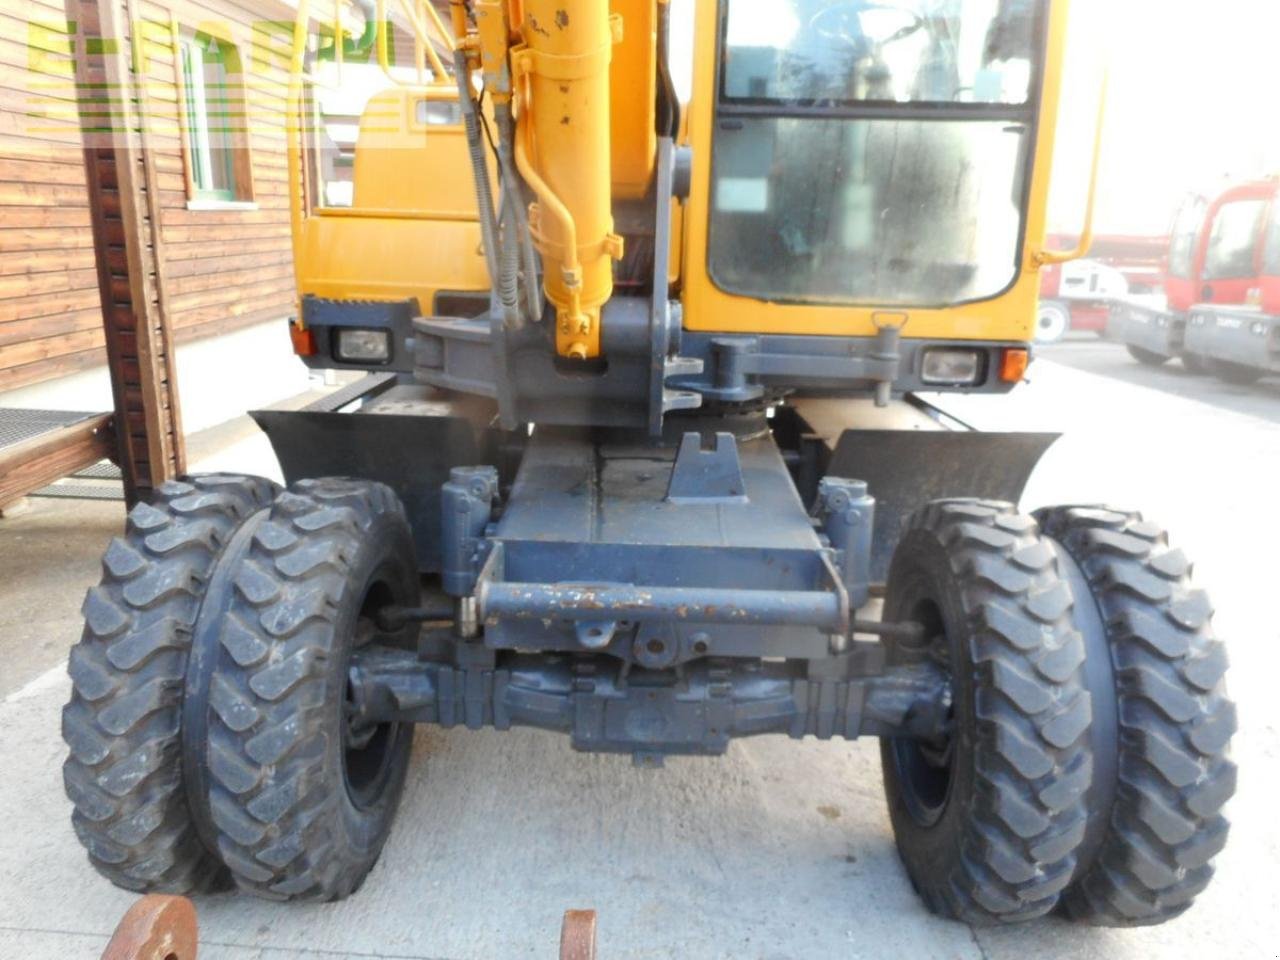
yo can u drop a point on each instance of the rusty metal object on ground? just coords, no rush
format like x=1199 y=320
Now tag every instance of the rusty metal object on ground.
x=157 y=927
x=578 y=935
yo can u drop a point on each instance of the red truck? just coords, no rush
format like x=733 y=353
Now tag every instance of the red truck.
x=1078 y=295
x=1241 y=343
x=1215 y=261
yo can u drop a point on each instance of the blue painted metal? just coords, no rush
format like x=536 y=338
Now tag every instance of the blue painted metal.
x=847 y=513
x=410 y=451
x=589 y=535
x=324 y=318
x=707 y=474
x=905 y=469
x=605 y=707
x=641 y=604
x=730 y=368
x=466 y=506
x=665 y=361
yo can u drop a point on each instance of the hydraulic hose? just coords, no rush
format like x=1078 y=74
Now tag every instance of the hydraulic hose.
x=667 y=113
x=519 y=234
x=509 y=264
x=479 y=169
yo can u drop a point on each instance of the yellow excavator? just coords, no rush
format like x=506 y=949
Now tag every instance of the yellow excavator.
x=642 y=458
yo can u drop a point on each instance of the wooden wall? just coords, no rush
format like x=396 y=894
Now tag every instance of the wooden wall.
x=226 y=268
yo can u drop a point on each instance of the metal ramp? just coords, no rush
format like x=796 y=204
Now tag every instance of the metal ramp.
x=39 y=447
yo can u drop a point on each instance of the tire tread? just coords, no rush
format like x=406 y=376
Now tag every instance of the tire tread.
x=271 y=792
x=1175 y=721
x=121 y=724
x=1031 y=754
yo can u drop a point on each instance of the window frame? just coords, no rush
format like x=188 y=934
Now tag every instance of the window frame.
x=1222 y=269
x=1184 y=236
x=1271 y=245
x=1027 y=114
x=198 y=130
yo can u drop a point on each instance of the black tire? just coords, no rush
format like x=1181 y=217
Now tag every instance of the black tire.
x=1148 y=358
x=296 y=813
x=1194 y=364
x=988 y=823
x=122 y=724
x=1175 y=722
x=1236 y=374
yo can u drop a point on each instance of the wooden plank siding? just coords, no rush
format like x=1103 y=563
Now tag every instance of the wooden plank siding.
x=224 y=268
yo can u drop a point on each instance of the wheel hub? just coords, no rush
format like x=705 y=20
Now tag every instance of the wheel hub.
x=367 y=748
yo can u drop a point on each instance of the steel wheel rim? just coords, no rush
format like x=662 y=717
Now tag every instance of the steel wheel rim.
x=367 y=751
x=926 y=769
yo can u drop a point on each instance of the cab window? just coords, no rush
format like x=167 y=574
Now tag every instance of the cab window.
x=1184 y=236
x=871 y=151
x=1233 y=241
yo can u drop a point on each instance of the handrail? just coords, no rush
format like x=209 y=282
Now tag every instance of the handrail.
x=1044 y=258
x=419 y=29
x=338 y=52
x=295 y=124
x=420 y=35
x=446 y=35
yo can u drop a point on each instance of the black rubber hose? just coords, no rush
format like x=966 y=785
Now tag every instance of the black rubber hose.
x=479 y=168
x=667 y=113
x=516 y=232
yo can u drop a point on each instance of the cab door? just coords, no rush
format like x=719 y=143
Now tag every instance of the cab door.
x=1270 y=281
x=1228 y=259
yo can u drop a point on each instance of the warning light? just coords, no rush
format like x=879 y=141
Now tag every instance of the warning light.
x=1013 y=364
x=304 y=340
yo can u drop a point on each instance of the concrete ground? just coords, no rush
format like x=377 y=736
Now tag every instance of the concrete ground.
x=778 y=850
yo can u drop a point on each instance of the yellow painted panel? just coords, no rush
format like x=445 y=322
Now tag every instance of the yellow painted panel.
x=376 y=258
x=405 y=163
x=633 y=90
x=413 y=229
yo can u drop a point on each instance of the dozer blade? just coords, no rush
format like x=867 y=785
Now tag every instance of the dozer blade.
x=904 y=469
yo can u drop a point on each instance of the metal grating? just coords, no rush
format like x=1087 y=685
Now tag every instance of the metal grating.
x=82 y=491
x=106 y=470
x=18 y=425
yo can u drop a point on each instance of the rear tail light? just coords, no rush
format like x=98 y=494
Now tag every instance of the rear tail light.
x=304 y=340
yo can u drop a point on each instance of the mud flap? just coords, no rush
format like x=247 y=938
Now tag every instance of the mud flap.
x=411 y=454
x=904 y=469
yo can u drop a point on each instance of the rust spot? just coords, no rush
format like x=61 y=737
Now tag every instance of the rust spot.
x=562 y=18
x=564 y=121
x=537 y=27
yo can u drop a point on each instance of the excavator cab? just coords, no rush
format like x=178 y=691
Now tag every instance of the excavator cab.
x=867 y=157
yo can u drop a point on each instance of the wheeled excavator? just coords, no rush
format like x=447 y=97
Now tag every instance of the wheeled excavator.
x=642 y=458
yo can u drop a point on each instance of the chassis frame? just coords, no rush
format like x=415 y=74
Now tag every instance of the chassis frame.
x=653 y=597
